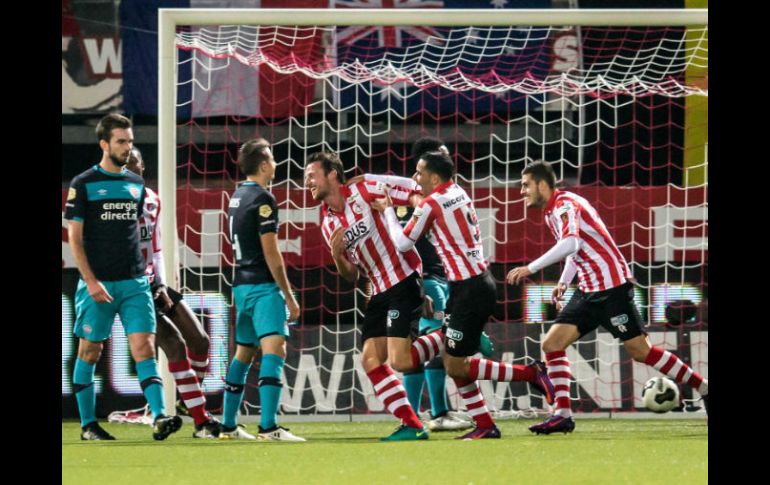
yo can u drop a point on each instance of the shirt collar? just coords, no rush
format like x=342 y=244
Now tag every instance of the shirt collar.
x=441 y=187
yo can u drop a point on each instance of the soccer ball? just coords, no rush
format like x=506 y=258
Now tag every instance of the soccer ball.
x=660 y=394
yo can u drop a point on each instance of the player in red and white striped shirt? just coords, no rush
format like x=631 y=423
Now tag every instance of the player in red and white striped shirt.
x=605 y=294
x=358 y=239
x=447 y=215
x=179 y=332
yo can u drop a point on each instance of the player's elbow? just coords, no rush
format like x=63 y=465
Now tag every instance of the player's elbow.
x=404 y=244
x=573 y=245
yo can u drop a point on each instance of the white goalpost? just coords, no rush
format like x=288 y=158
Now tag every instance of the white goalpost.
x=615 y=99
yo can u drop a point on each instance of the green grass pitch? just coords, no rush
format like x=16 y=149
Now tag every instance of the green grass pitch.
x=599 y=451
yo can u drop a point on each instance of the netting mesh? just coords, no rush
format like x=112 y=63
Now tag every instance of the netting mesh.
x=621 y=113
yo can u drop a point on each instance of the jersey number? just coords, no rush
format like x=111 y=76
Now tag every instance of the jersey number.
x=234 y=242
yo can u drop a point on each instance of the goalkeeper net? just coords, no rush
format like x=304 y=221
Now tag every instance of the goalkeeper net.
x=619 y=111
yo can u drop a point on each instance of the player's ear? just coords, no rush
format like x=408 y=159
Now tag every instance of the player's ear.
x=104 y=145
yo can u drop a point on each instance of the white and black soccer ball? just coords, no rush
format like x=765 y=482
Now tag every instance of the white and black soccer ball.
x=660 y=394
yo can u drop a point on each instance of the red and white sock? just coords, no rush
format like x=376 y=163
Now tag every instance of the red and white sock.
x=671 y=365
x=190 y=390
x=484 y=370
x=559 y=373
x=200 y=364
x=474 y=402
x=391 y=392
x=427 y=347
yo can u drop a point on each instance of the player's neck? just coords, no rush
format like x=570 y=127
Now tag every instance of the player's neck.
x=107 y=165
x=335 y=200
x=258 y=179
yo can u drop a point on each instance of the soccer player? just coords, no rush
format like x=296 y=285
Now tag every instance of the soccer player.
x=447 y=213
x=605 y=294
x=358 y=240
x=262 y=296
x=179 y=332
x=104 y=205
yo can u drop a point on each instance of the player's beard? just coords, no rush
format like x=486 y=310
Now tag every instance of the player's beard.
x=119 y=162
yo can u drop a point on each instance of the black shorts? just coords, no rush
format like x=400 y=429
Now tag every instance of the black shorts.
x=613 y=309
x=471 y=303
x=174 y=295
x=394 y=312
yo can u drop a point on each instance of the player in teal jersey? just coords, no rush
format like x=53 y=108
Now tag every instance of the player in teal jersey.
x=103 y=208
x=262 y=296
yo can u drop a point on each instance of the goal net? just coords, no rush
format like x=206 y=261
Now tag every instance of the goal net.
x=620 y=112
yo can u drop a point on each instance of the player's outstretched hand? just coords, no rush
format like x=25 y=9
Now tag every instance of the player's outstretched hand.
x=382 y=203
x=98 y=292
x=516 y=275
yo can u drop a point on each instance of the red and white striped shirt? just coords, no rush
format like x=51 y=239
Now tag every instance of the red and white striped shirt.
x=149 y=236
x=448 y=216
x=367 y=241
x=600 y=265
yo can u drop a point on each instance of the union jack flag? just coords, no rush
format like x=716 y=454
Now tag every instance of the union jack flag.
x=387 y=35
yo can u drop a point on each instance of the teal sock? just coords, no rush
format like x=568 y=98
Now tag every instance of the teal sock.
x=437 y=390
x=83 y=385
x=269 y=389
x=152 y=385
x=413 y=382
x=234 y=386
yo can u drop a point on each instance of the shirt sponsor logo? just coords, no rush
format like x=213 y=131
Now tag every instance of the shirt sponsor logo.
x=265 y=210
x=355 y=233
x=120 y=211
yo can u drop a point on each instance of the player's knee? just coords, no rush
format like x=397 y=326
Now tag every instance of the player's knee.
x=90 y=355
x=551 y=344
x=639 y=354
x=402 y=363
x=456 y=369
x=199 y=345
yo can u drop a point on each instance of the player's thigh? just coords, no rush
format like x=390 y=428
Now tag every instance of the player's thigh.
x=375 y=319
x=169 y=338
x=576 y=319
x=404 y=308
x=270 y=313
x=188 y=324
x=245 y=333
x=618 y=314
x=93 y=321
x=473 y=302
x=136 y=308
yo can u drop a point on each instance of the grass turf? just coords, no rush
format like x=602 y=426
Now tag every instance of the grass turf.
x=599 y=451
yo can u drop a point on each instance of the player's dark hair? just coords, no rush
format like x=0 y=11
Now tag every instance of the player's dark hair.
x=329 y=161
x=110 y=122
x=439 y=163
x=427 y=144
x=251 y=154
x=541 y=170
